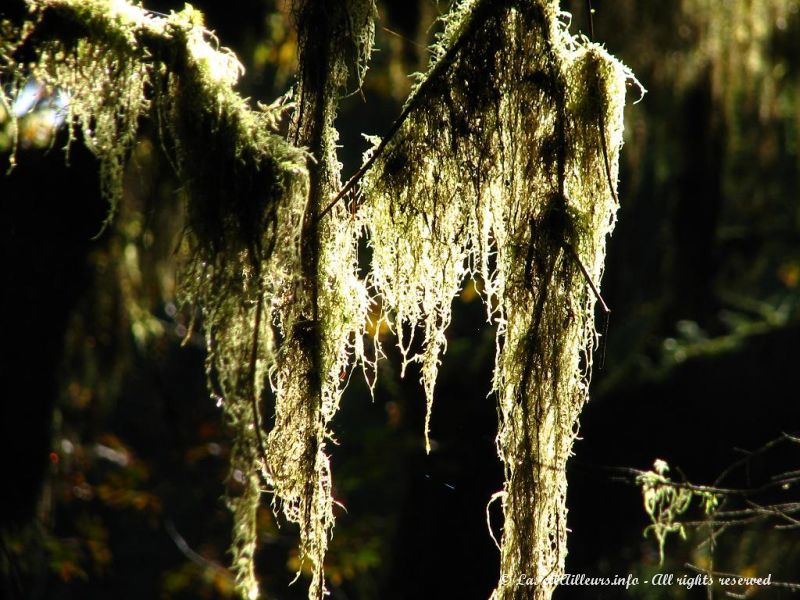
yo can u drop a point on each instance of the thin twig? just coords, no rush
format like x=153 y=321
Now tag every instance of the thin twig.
x=182 y=545
x=631 y=474
x=750 y=454
x=406 y=39
x=415 y=100
x=604 y=146
x=790 y=438
x=588 y=278
x=606 y=309
x=775 y=511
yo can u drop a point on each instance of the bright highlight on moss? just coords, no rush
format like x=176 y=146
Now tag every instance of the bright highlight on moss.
x=502 y=167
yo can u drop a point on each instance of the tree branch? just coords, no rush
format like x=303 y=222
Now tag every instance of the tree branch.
x=439 y=69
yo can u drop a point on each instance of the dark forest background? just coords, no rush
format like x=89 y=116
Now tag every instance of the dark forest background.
x=113 y=454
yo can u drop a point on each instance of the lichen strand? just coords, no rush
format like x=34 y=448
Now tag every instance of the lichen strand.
x=323 y=320
x=248 y=189
x=500 y=172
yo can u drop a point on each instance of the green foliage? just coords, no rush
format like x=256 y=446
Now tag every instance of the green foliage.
x=666 y=501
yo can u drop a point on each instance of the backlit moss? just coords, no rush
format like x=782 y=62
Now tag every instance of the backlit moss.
x=499 y=172
x=502 y=167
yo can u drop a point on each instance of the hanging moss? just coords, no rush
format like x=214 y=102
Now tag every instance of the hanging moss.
x=514 y=133
x=118 y=64
x=502 y=166
x=105 y=82
x=323 y=320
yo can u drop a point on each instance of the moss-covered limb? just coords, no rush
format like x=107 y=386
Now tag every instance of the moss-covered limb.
x=248 y=189
x=499 y=170
x=441 y=62
x=106 y=81
x=114 y=59
x=125 y=28
x=118 y=64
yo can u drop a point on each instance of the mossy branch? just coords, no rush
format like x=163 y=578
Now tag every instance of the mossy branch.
x=415 y=100
x=119 y=64
x=497 y=168
x=494 y=168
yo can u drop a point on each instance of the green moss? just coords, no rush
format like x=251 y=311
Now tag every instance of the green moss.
x=509 y=184
x=323 y=318
x=119 y=64
x=503 y=167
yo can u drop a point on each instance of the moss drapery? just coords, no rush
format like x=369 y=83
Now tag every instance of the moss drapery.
x=323 y=314
x=502 y=166
x=505 y=170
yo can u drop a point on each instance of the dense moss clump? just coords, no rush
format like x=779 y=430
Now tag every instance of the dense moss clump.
x=501 y=167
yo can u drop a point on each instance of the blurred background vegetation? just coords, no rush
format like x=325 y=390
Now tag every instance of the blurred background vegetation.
x=106 y=418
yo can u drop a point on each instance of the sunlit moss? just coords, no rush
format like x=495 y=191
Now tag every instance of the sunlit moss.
x=117 y=64
x=323 y=317
x=504 y=170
